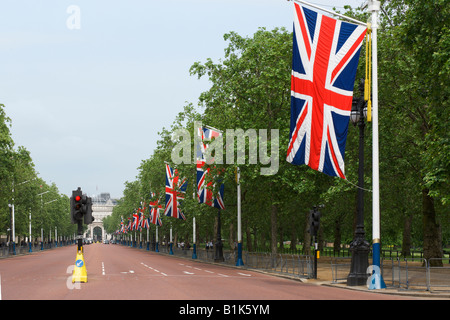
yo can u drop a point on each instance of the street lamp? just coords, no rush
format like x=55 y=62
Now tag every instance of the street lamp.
x=359 y=246
x=13 y=226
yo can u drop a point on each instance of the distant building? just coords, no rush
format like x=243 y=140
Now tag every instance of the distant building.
x=102 y=206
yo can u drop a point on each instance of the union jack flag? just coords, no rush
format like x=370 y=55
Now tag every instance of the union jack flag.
x=141 y=218
x=129 y=226
x=154 y=207
x=204 y=191
x=134 y=224
x=146 y=224
x=325 y=59
x=175 y=190
x=122 y=226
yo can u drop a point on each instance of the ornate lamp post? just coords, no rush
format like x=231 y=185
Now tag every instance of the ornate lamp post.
x=359 y=246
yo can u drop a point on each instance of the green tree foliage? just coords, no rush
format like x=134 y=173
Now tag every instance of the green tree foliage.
x=250 y=89
x=21 y=186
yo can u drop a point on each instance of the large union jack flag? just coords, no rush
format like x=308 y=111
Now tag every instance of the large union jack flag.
x=154 y=207
x=204 y=189
x=175 y=190
x=325 y=59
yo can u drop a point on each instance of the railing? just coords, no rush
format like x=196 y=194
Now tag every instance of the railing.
x=404 y=274
x=340 y=268
x=6 y=251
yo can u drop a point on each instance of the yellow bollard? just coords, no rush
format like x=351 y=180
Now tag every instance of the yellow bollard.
x=79 y=270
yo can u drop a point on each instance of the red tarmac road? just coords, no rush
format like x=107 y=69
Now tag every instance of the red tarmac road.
x=124 y=273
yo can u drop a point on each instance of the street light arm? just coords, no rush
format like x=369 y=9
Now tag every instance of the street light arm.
x=51 y=201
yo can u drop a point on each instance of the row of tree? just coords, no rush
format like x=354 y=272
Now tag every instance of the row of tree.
x=30 y=194
x=250 y=89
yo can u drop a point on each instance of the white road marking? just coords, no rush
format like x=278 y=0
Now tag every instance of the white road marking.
x=245 y=274
x=188 y=272
x=223 y=275
x=154 y=269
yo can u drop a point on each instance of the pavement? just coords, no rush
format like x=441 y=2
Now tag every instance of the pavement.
x=324 y=278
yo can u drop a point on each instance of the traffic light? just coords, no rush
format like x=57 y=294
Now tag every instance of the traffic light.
x=80 y=207
x=76 y=213
x=315 y=221
x=88 y=218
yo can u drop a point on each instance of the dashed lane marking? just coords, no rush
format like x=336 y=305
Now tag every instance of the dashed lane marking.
x=162 y=273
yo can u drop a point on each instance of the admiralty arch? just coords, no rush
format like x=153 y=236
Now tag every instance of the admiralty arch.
x=102 y=206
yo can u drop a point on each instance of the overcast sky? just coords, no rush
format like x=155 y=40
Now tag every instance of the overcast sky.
x=88 y=97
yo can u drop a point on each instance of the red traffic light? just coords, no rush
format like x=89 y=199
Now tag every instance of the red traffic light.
x=77 y=198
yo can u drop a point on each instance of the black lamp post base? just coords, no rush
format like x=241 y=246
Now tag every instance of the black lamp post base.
x=360 y=262
x=219 y=253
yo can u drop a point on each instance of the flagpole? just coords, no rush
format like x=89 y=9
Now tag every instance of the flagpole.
x=331 y=12
x=194 y=252
x=148 y=237
x=156 y=247
x=171 y=243
x=239 y=261
x=376 y=280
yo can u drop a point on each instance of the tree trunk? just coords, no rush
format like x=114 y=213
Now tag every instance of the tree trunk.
x=337 y=236
x=231 y=238
x=249 y=238
x=307 y=237
x=432 y=246
x=406 y=244
x=293 y=234
x=273 y=220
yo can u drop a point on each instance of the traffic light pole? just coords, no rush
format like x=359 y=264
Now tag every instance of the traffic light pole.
x=314 y=218
x=80 y=210
x=80 y=236
x=315 y=257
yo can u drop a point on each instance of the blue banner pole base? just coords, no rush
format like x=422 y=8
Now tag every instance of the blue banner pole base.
x=376 y=281
x=239 y=261
x=156 y=247
x=194 y=252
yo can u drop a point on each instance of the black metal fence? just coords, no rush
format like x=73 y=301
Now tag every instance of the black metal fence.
x=404 y=274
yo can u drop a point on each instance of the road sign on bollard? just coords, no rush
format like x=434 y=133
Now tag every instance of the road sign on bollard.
x=79 y=270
